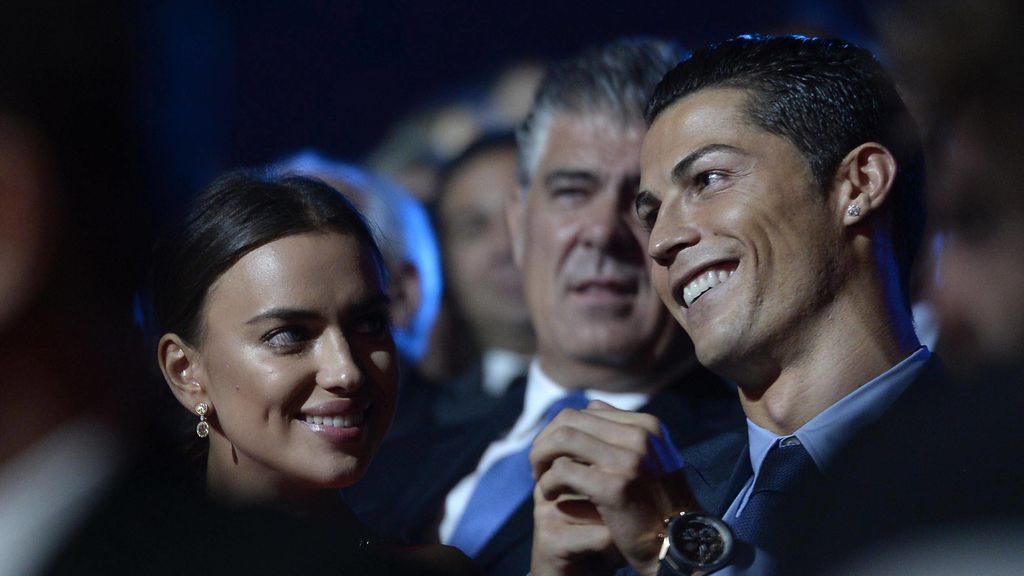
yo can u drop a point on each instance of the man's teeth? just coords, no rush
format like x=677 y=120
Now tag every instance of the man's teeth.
x=335 y=421
x=703 y=283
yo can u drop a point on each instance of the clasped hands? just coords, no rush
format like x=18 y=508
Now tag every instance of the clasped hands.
x=605 y=481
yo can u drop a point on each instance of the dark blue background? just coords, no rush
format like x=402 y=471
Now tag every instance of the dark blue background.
x=226 y=84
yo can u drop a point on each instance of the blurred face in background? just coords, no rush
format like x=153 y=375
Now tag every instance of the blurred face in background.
x=977 y=206
x=481 y=272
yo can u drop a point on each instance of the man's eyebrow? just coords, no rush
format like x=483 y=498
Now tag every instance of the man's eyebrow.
x=554 y=177
x=683 y=166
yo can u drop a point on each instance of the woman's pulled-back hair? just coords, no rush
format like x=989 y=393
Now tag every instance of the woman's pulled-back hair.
x=234 y=215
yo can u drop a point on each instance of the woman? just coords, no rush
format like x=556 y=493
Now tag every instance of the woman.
x=271 y=300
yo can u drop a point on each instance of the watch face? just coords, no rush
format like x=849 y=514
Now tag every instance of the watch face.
x=700 y=541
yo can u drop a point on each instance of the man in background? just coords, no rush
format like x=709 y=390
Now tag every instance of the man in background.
x=484 y=283
x=601 y=332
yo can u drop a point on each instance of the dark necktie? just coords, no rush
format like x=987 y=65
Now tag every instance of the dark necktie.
x=505 y=485
x=786 y=473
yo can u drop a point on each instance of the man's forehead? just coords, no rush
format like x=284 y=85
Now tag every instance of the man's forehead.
x=711 y=117
x=593 y=139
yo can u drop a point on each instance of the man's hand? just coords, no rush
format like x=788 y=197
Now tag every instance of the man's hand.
x=606 y=480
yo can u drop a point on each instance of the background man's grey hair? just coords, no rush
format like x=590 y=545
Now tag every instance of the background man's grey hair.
x=400 y=226
x=614 y=80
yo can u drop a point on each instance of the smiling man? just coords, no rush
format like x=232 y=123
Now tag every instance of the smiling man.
x=782 y=186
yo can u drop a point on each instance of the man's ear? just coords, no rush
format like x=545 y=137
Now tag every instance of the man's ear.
x=406 y=295
x=863 y=180
x=515 y=205
x=183 y=371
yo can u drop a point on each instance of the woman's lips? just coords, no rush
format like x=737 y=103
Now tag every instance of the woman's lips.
x=340 y=420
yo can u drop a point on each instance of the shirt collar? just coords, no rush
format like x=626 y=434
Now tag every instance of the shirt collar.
x=541 y=391
x=825 y=434
x=500 y=368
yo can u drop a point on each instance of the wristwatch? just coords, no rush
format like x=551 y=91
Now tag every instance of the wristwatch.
x=694 y=542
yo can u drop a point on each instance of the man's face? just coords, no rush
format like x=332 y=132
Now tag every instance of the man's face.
x=581 y=248
x=977 y=290
x=483 y=276
x=745 y=244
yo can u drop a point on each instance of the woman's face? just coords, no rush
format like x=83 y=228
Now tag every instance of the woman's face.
x=298 y=363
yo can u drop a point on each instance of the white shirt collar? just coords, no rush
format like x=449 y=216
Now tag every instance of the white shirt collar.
x=500 y=367
x=541 y=391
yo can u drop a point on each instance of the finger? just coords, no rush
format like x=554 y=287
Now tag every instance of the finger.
x=577 y=443
x=640 y=419
x=579 y=540
x=663 y=455
x=567 y=477
x=563 y=549
x=616 y=427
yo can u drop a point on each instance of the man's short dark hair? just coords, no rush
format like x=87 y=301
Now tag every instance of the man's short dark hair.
x=615 y=80
x=826 y=97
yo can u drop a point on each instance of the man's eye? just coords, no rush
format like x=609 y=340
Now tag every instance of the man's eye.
x=648 y=216
x=286 y=338
x=569 y=193
x=470 y=228
x=709 y=178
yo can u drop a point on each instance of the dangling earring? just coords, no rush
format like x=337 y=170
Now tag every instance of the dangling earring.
x=203 y=428
x=853 y=210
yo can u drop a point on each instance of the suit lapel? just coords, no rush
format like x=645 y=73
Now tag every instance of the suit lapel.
x=452 y=455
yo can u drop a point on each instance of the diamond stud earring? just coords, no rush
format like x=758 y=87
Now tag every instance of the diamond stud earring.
x=853 y=210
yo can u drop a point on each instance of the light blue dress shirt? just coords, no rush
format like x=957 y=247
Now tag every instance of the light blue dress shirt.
x=823 y=437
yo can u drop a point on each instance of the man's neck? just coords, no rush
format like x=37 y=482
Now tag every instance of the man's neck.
x=838 y=357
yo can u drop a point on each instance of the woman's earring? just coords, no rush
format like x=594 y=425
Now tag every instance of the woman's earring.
x=203 y=428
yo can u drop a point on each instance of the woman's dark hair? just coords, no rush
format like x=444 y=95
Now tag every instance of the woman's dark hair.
x=237 y=213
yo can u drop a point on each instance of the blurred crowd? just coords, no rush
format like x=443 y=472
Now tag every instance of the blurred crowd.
x=99 y=466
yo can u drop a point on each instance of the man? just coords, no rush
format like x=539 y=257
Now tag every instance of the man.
x=601 y=331
x=782 y=186
x=485 y=284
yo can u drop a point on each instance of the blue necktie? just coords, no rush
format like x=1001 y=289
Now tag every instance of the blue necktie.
x=786 y=473
x=505 y=485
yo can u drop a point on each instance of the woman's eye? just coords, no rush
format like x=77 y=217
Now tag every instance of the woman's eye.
x=286 y=338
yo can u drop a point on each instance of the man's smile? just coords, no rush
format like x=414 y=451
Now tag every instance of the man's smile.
x=703 y=279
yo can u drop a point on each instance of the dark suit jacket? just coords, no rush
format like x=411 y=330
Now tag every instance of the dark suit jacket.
x=405 y=489
x=936 y=457
x=945 y=455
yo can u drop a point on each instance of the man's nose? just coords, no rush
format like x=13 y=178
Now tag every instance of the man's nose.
x=606 y=223
x=672 y=232
x=338 y=369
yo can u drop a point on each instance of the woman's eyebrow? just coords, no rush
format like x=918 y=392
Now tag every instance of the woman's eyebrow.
x=287 y=314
